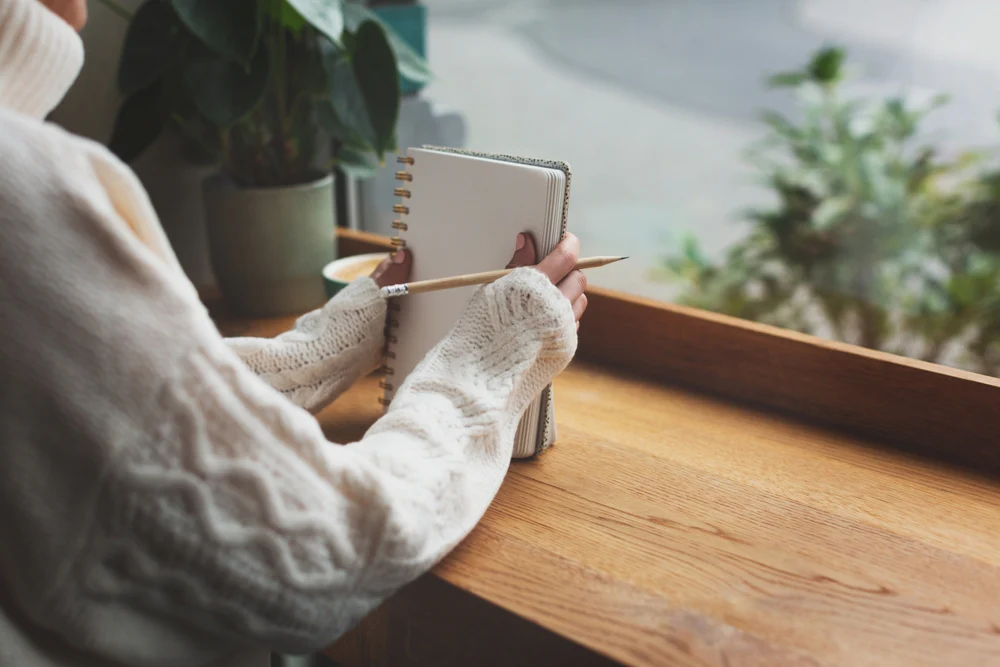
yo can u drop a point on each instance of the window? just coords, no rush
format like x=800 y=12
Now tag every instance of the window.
x=844 y=198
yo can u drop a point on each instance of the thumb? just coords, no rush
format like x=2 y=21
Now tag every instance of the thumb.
x=524 y=252
x=394 y=269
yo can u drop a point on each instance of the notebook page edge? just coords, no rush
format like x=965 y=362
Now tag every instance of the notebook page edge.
x=529 y=428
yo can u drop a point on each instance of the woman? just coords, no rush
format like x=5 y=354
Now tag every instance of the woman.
x=165 y=496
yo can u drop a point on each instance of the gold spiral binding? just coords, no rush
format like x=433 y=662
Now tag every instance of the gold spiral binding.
x=397 y=243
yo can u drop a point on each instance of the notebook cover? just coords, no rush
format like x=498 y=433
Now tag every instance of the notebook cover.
x=460 y=188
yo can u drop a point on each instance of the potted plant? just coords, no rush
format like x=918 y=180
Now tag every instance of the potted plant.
x=277 y=93
x=873 y=239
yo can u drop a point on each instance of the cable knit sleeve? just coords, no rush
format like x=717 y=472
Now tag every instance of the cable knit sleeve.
x=326 y=351
x=162 y=504
x=239 y=516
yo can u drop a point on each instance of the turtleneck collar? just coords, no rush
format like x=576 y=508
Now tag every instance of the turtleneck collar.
x=40 y=57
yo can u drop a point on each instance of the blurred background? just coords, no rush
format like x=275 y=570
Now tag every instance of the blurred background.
x=827 y=166
x=865 y=216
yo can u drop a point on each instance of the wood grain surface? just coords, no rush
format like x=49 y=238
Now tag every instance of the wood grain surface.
x=919 y=407
x=672 y=528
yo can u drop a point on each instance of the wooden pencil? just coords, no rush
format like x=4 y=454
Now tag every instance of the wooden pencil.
x=477 y=278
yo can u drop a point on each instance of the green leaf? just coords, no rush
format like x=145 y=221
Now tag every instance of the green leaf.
x=231 y=28
x=692 y=251
x=309 y=73
x=896 y=108
x=376 y=74
x=221 y=90
x=364 y=89
x=411 y=64
x=327 y=16
x=969 y=158
x=831 y=211
x=139 y=121
x=359 y=164
x=781 y=125
x=348 y=103
x=787 y=80
x=939 y=100
x=202 y=141
x=328 y=120
x=825 y=67
x=152 y=41
x=285 y=14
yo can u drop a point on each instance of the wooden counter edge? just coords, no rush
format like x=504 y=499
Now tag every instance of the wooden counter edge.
x=914 y=405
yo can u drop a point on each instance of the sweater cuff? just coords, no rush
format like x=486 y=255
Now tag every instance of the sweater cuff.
x=363 y=291
x=526 y=296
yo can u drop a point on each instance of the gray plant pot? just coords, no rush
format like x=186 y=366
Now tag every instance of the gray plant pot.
x=268 y=246
x=174 y=185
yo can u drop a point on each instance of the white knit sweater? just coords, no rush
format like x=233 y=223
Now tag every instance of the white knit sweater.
x=165 y=496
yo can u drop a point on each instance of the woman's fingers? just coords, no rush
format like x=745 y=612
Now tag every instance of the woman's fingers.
x=394 y=269
x=524 y=252
x=579 y=306
x=574 y=285
x=558 y=263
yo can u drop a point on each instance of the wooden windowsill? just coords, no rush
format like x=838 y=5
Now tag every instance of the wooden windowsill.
x=669 y=527
x=674 y=526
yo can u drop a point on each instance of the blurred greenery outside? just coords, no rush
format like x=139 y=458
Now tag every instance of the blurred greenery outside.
x=874 y=239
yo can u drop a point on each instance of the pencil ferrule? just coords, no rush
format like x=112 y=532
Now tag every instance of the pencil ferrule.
x=390 y=291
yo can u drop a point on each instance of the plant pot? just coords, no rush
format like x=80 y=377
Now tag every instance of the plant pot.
x=268 y=246
x=173 y=183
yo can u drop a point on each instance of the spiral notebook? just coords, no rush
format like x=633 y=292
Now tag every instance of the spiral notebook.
x=460 y=212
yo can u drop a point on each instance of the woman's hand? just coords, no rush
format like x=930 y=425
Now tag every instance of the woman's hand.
x=394 y=269
x=558 y=266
